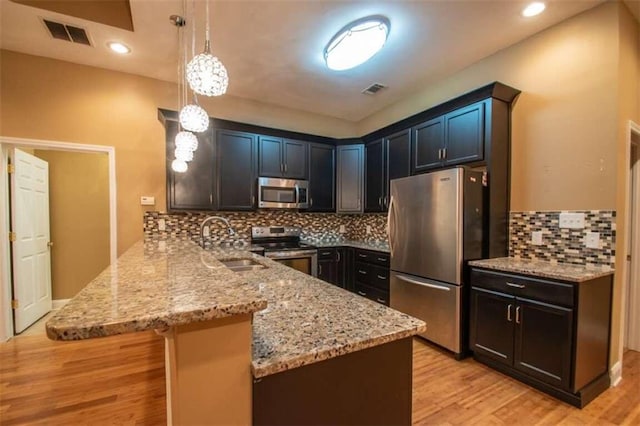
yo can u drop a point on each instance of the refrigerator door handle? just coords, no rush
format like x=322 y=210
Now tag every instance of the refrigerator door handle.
x=425 y=284
x=390 y=225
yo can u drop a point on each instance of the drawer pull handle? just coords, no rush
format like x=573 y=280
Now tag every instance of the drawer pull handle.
x=326 y=253
x=362 y=293
x=509 y=312
x=515 y=285
x=382 y=259
x=360 y=271
x=362 y=255
x=380 y=300
x=382 y=277
x=518 y=319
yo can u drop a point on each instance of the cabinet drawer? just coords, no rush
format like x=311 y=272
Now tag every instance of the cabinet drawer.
x=327 y=254
x=378 y=258
x=371 y=293
x=374 y=276
x=543 y=290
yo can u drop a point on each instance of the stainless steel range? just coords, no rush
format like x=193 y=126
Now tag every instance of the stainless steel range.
x=282 y=244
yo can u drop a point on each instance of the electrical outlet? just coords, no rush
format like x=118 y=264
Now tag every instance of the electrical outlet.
x=592 y=240
x=147 y=201
x=162 y=225
x=343 y=229
x=206 y=231
x=572 y=220
x=368 y=229
x=536 y=238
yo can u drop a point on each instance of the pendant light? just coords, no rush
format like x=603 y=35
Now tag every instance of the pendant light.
x=205 y=73
x=192 y=117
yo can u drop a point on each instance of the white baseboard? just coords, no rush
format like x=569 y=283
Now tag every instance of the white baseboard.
x=57 y=304
x=615 y=374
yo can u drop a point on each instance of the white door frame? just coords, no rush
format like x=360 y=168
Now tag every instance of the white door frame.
x=6 y=331
x=632 y=275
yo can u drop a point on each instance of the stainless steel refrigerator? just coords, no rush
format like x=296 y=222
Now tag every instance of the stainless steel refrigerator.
x=435 y=226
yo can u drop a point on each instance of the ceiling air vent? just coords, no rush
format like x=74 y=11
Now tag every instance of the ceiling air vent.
x=374 y=88
x=67 y=32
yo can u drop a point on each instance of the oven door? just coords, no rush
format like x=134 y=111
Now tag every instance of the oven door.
x=282 y=193
x=302 y=260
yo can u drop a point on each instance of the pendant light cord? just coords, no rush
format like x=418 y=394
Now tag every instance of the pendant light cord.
x=207 y=41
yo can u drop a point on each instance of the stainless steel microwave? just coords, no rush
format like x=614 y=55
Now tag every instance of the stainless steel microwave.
x=283 y=193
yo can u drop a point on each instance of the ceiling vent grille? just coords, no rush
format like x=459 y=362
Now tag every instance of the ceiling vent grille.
x=373 y=89
x=67 y=32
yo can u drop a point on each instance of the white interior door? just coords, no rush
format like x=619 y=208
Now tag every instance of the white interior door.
x=30 y=250
x=632 y=335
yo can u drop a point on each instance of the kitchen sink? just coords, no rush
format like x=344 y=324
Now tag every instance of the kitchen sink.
x=242 y=265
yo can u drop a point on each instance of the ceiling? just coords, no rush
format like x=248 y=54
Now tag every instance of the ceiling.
x=273 y=49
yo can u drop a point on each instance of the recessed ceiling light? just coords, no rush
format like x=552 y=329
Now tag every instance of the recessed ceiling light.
x=119 y=47
x=533 y=9
x=356 y=43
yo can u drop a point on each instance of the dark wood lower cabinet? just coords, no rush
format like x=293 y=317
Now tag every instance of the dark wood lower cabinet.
x=371 y=386
x=553 y=335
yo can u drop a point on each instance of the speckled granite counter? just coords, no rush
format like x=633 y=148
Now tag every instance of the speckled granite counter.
x=382 y=246
x=541 y=268
x=153 y=286
x=158 y=284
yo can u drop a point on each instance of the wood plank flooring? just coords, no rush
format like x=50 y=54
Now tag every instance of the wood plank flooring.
x=120 y=381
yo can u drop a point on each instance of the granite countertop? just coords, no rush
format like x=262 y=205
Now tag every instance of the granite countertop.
x=158 y=284
x=543 y=268
x=382 y=246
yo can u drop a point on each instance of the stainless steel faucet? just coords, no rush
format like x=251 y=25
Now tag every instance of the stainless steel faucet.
x=209 y=219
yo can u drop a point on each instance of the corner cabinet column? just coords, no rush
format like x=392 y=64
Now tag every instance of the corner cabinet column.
x=350 y=178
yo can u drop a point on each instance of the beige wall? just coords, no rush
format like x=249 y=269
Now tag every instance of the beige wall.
x=79 y=218
x=564 y=121
x=47 y=99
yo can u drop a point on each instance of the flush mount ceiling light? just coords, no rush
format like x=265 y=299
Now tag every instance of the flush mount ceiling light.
x=118 y=47
x=205 y=73
x=533 y=9
x=357 y=42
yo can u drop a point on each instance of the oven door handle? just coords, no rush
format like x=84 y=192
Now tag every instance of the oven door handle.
x=293 y=254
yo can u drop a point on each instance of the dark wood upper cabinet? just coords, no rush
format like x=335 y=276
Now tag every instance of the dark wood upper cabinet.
x=322 y=178
x=428 y=141
x=375 y=176
x=236 y=165
x=350 y=178
x=454 y=138
x=270 y=164
x=193 y=189
x=464 y=140
x=282 y=158
x=387 y=158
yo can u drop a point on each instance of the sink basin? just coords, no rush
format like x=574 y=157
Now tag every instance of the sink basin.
x=242 y=265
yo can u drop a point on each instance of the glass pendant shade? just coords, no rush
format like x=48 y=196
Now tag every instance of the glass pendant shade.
x=184 y=154
x=206 y=75
x=187 y=141
x=179 y=166
x=194 y=118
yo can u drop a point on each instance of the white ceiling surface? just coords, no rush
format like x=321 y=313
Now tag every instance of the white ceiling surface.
x=273 y=49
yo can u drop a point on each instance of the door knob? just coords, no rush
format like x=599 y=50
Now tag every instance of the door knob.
x=50 y=244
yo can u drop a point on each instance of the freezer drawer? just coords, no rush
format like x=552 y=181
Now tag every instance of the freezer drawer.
x=436 y=303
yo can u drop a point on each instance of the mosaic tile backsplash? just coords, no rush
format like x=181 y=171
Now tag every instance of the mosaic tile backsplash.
x=318 y=227
x=563 y=245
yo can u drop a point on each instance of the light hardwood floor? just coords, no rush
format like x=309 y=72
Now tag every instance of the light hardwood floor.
x=120 y=380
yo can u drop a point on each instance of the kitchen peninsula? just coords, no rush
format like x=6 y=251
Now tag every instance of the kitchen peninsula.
x=267 y=345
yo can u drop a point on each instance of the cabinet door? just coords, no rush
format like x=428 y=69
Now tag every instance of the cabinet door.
x=428 y=141
x=236 y=170
x=375 y=172
x=464 y=135
x=492 y=324
x=327 y=271
x=295 y=159
x=350 y=176
x=341 y=263
x=270 y=157
x=543 y=342
x=193 y=189
x=322 y=178
x=398 y=158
